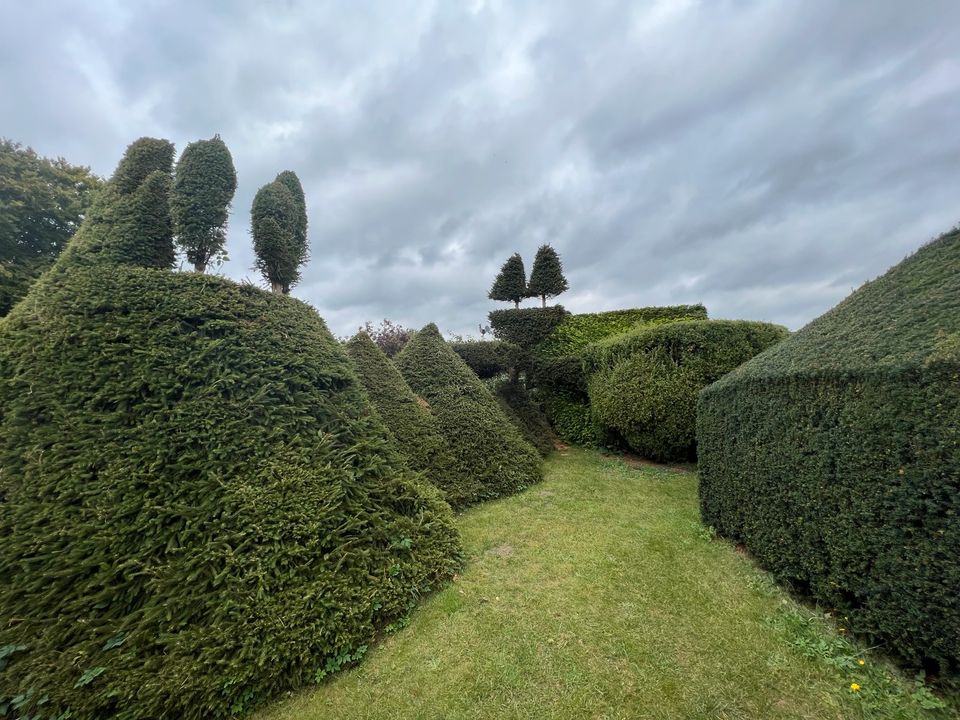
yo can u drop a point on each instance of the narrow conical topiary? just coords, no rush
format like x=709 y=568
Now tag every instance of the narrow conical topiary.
x=204 y=184
x=511 y=282
x=487 y=448
x=274 y=223
x=407 y=417
x=546 y=278
x=199 y=506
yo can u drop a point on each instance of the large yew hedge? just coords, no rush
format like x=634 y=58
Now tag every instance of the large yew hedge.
x=835 y=457
x=197 y=507
x=643 y=385
x=488 y=450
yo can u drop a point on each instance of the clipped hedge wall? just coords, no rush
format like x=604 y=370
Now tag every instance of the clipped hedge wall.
x=835 y=457
x=570 y=417
x=525 y=414
x=526 y=326
x=489 y=358
x=407 y=417
x=487 y=448
x=644 y=385
x=198 y=508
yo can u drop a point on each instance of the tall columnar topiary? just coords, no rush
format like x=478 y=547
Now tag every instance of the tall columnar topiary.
x=407 y=417
x=489 y=451
x=643 y=385
x=204 y=184
x=198 y=507
x=290 y=180
x=835 y=457
x=141 y=158
x=273 y=221
x=546 y=278
x=511 y=282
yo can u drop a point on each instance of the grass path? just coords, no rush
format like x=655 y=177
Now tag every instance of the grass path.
x=598 y=594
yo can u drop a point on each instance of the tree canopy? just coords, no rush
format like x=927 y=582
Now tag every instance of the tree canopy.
x=204 y=184
x=274 y=215
x=511 y=282
x=42 y=203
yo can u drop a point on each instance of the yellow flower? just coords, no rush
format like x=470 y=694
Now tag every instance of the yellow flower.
x=854 y=687
x=861 y=662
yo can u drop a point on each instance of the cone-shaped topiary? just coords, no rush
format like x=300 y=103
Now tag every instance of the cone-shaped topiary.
x=198 y=507
x=511 y=282
x=204 y=184
x=487 y=448
x=546 y=278
x=835 y=457
x=406 y=416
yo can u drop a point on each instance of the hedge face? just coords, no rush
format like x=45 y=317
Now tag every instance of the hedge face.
x=644 y=385
x=198 y=507
x=528 y=326
x=418 y=436
x=487 y=447
x=835 y=457
x=488 y=358
x=525 y=415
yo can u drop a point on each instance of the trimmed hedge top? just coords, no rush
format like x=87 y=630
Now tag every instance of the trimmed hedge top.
x=488 y=358
x=578 y=331
x=406 y=416
x=905 y=318
x=486 y=446
x=526 y=326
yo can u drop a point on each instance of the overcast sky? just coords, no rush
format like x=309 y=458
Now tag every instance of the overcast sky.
x=763 y=158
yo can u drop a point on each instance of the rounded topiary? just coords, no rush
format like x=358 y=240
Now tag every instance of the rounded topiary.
x=406 y=416
x=487 y=448
x=644 y=384
x=198 y=508
x=835 y=458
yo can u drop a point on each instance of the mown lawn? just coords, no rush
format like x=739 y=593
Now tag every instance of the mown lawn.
x=598 y=594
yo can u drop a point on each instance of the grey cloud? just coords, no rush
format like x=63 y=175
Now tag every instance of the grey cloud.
x=761 y=157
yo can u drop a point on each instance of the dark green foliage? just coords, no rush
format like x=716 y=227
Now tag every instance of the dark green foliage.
x=488 y=358
x=42 y=203
x=511 y=282
x=199 y=507
x=491 y=457
x=835 y=457
x=290 y=180
x=577 y=331
x=570 y=417
x=274 y=222
x=556 y=367
x=644 y=384
x=203 y=187
x=546 y=278
x=142 y=157
x=524 y=413
x=407 y=417
x=526 y=327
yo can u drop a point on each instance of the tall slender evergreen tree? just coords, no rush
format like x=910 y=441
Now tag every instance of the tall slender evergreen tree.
x=292 y=183
x=203 y=187
x=511 y=282
x=546 y=278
